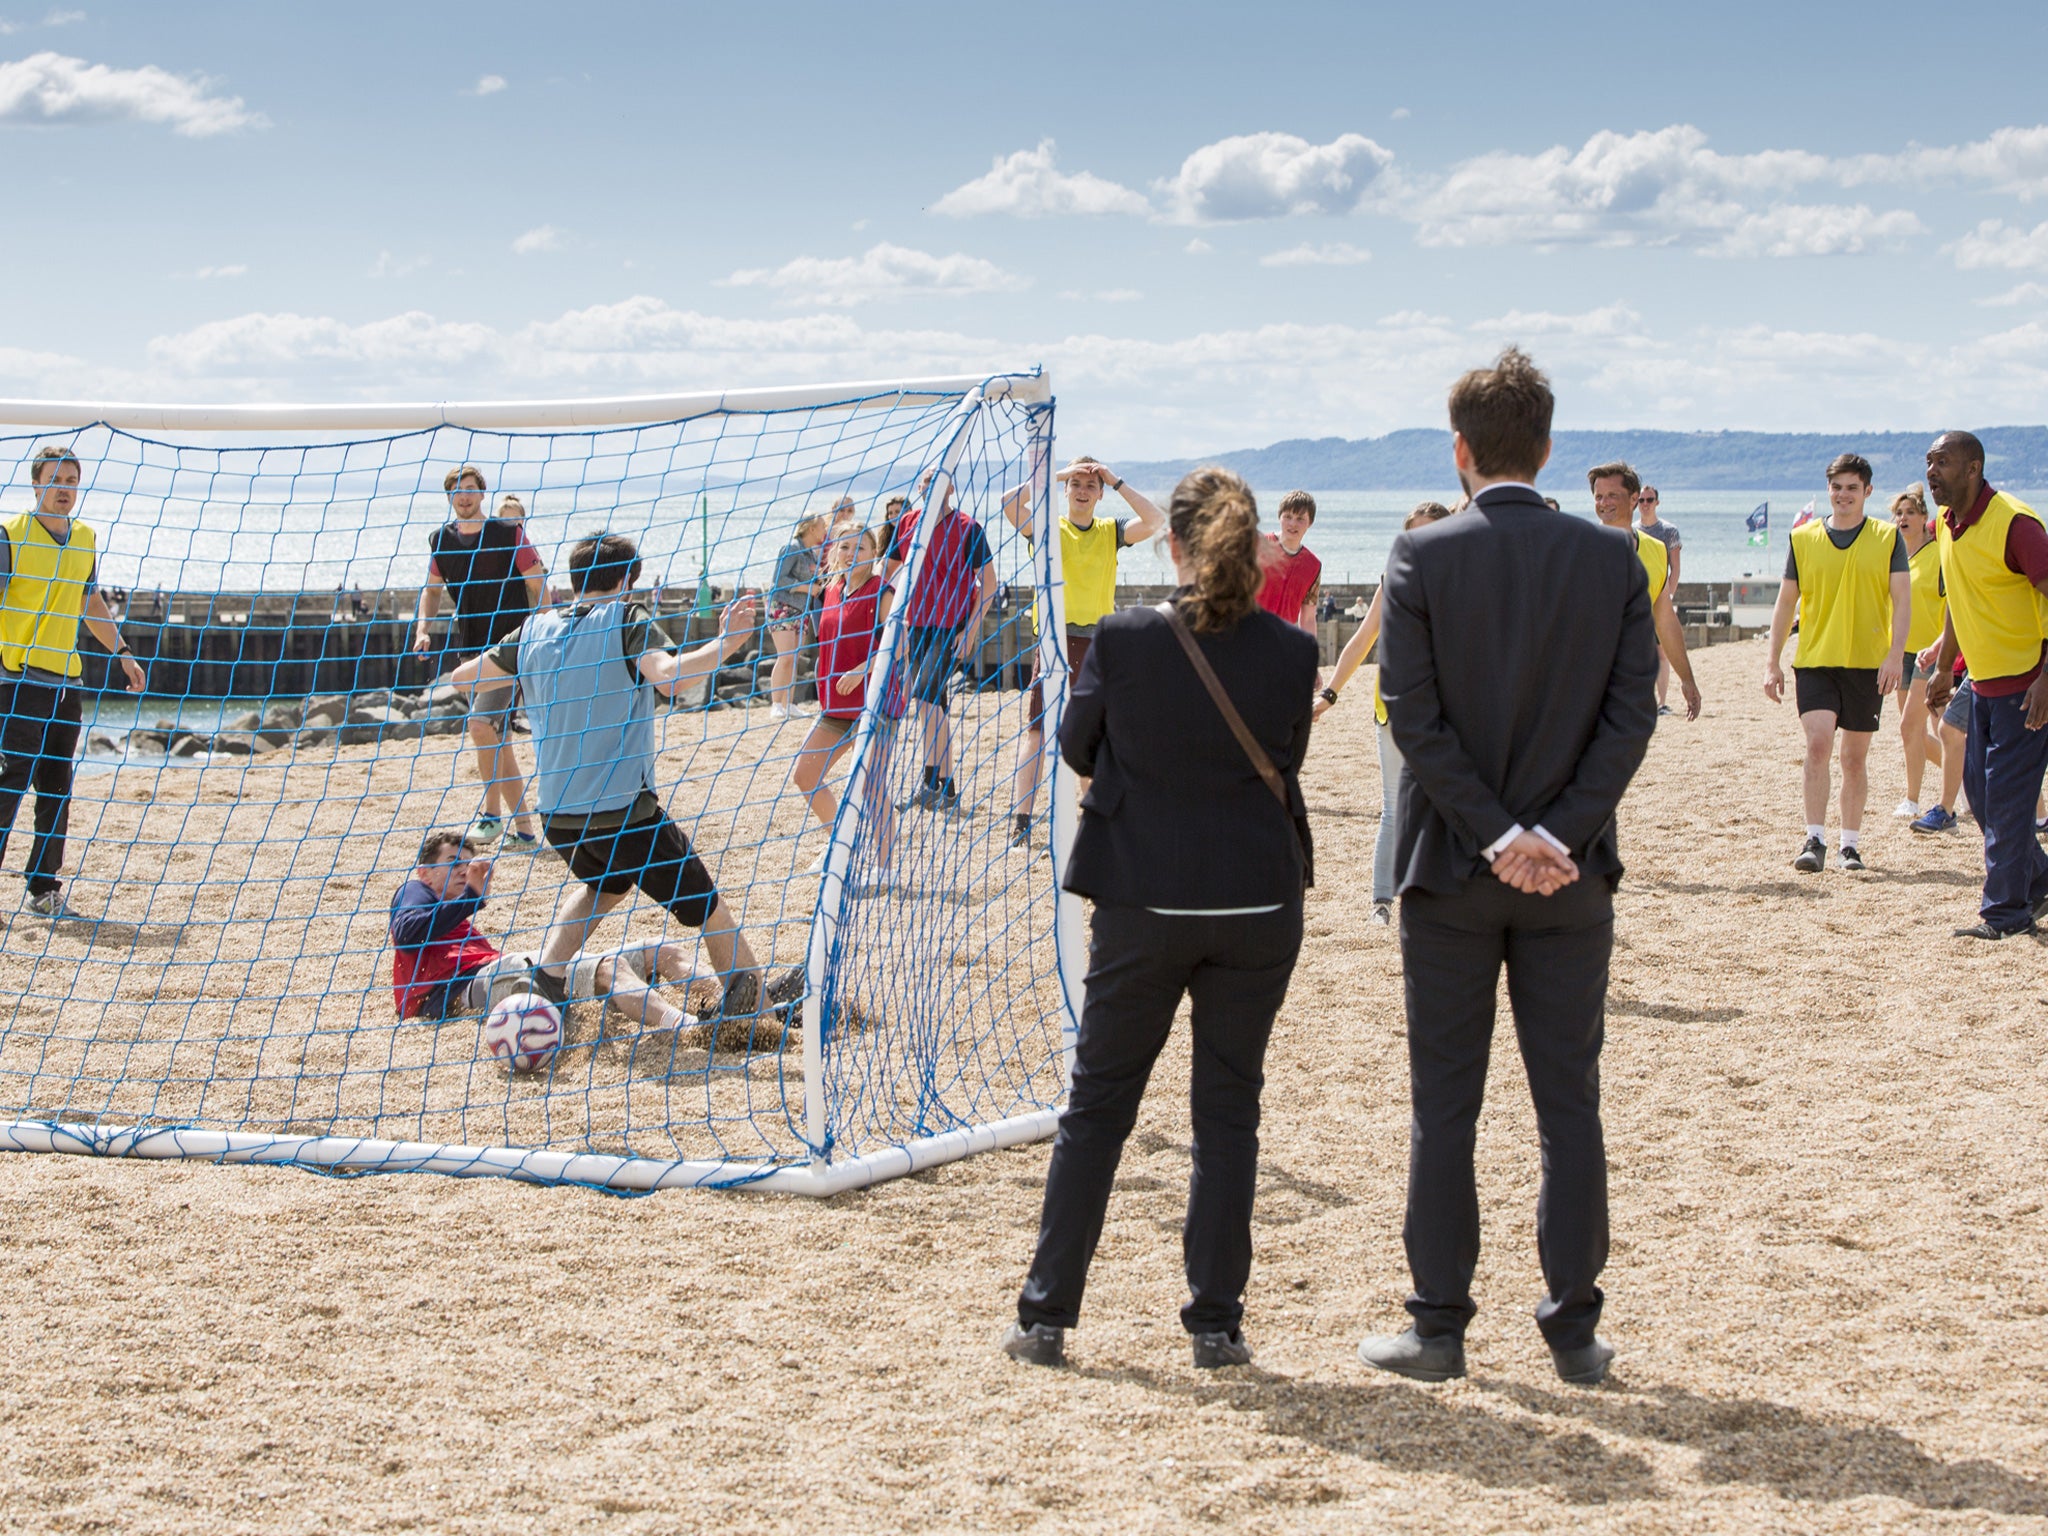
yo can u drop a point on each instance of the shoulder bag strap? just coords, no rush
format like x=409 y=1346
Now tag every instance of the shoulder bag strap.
x=1258 y=755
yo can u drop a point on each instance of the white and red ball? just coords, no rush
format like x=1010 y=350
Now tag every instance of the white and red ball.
x=524 y=1031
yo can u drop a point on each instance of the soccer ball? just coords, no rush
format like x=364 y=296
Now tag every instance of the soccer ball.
x=523 y=1031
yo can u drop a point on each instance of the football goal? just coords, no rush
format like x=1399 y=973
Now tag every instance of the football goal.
x=220 y=976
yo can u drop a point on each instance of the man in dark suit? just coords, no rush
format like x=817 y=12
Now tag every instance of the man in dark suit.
x=1519 y=669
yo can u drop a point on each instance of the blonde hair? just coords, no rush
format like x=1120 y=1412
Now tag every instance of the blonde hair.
x=1913 y=496
x=510 y=501
x=1216 y=521
x=816 y=520
x=846 y=550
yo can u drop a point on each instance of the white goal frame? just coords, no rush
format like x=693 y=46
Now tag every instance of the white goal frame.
x=820 y=1175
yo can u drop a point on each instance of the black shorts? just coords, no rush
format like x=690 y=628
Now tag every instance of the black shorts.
x=654 y=855
x=1077 y=652
x=932 y=660
x=1848 y=693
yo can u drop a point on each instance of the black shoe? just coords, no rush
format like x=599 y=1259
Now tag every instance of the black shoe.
x=554 y=988
x=1666 y=709
x=1410 y=1354
x=1214 y=1350
x=1812 y=858
x=923 y=800
x=1020 y=836
x=1986 y=931
x=1584 y=1366
x=1850 y=858
x=2039 y=913
x=742 y=998
x=946 y=800
x=1040 y=1344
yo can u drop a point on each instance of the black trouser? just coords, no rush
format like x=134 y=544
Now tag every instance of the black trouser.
x=1140 y=964
x=1556 y=950
x=38 y=739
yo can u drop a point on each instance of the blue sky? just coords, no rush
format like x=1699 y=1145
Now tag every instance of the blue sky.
x=1218 y=226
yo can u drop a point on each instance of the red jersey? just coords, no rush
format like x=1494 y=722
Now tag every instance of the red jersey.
x=1289 y=580
x=847 y=630
x=947 y=586
x=432 y=943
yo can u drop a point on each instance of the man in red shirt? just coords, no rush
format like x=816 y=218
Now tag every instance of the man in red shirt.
x=1294 y=576
x=941 y=627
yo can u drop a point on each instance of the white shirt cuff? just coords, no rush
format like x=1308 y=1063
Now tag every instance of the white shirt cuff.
x=1544 y=833
x=1499 y=845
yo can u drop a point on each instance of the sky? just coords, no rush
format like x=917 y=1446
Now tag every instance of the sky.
x=1217 y=227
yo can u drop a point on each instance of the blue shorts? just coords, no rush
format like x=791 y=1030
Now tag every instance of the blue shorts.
x=931 y=658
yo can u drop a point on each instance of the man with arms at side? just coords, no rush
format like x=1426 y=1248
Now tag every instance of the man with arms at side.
x=1519 y=666
x=1294 y=575
x=1648 y=506
x=1088 y=548
x=1614 y=491
x=941 y=627
x=1994 y=564
x=49 y=588
x=1847 y=577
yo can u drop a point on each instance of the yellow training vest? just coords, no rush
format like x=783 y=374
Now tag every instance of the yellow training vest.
x=1999 y=618
x=44 y=596
x=1930 y=607
x=1656 y=562
x=1088 y=567
x=1845 y=595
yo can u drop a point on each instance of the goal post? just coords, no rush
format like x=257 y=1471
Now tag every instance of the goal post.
x=222 y=987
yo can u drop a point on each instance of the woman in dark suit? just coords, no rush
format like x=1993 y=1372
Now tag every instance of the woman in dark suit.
x=1196 y=869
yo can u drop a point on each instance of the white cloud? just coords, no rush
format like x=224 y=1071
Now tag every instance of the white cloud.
x=63 y=18
x=2025 y=293
x=238 y=269
x=387 y=265
x=1198 y=247
x=2012 y=160
x=1270 y=176
x=1333 y=253
x=1810 y=229
x=1102 y=296
x=1399 y=114
x=884 y=271
x=1608 y=321
x=488 y=85
x=1996 y=244
x=543 y=237
x=1027 y=185
x=51 y=88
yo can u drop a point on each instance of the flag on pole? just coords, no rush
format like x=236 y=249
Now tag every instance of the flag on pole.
x=1805 y=513
x=1760 y=525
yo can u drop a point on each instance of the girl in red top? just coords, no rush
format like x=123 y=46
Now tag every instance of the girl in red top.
x=849 y=627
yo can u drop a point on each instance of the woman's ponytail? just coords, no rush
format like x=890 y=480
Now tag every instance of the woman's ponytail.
x=1216 y=520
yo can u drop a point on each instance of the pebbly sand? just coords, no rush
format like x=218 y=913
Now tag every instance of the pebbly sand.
x=1824 y=1120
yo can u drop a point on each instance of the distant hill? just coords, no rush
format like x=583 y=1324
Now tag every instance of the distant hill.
x=1693 y=461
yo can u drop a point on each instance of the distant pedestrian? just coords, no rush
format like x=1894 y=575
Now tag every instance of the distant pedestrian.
x=48 y=590
x=1649 y=521
x=948 y=594
x=1919 y=735
x=1615 y=487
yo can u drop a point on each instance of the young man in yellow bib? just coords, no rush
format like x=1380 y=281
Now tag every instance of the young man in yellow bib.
x=1848 y=577
x=1994 y=563
x=1615 y=487
x=48 y=588
x=1088 y=551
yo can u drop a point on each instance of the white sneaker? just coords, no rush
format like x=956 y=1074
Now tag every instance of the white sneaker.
x=1907 y=811
x=777 y=712
x=818 y=864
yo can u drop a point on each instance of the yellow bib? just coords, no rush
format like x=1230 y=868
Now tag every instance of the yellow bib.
x=44 y=596
x=1930 y=607
x=1088 y=567
x=1656 y=562
x=1845 y=595
x=1999 y=618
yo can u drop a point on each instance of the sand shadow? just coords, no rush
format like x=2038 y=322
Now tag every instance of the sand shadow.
x=98 y=933
x=1671 y=1013
x=1792 y=1452
x=1776 y=890
x=1955 y=877
x=1409 y=1428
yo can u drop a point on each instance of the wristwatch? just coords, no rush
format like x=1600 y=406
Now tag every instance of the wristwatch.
x=1328 y=695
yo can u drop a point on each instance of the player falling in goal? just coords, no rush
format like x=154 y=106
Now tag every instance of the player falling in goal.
x=48 y=590
x=590 y=673
x=441 y=966
x=1088 y=550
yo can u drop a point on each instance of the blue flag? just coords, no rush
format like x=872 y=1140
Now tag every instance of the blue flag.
x=1760 y=524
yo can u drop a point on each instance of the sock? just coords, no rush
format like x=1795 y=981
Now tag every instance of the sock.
x=1814 y=831
x=931 y=777
x=947 y=786
x=1849 y=836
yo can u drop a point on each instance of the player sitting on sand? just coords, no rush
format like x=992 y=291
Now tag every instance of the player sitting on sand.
x=590 y=673
x=1615 y=487
x=849 y=626
x=1847 y=577
x=1088 y=550
x=441 y=966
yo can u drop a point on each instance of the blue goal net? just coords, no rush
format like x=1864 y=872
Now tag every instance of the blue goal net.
x=237 y=937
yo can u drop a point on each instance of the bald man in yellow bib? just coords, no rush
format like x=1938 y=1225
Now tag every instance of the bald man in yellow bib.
x=1848 y=577
x=48 y=589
